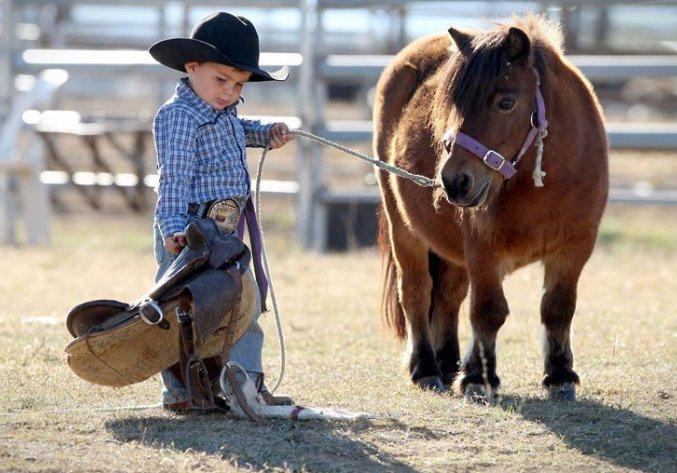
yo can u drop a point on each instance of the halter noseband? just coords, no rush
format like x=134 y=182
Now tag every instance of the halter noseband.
x=494 y=159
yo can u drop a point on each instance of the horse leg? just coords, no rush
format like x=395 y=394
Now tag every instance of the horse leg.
x=488 y=311
x=557 y=310
x=414 y=290
x=450 y=286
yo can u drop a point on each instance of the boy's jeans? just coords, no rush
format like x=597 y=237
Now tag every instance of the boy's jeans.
x=247 y=351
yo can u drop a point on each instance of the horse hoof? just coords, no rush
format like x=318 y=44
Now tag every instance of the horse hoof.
x=449 y=378
x=478 y=393
x=562 y=392
x=431 y=383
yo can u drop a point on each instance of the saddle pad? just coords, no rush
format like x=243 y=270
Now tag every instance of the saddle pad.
x=133 y=351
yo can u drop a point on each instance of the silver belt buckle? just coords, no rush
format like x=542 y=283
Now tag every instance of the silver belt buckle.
x=226 y=214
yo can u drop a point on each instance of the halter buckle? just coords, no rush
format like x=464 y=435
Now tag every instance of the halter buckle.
x=494 y=160
x=534 y=119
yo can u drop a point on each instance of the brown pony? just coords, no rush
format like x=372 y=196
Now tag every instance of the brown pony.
x=478 y=225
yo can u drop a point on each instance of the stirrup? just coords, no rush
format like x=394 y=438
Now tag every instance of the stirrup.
x=203 y=383
x=153 y=305
x=228 y=371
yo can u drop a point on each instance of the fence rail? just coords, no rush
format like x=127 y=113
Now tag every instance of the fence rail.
x=637 y=136
x=106 y=61
x=597 y=68
x=636 y=195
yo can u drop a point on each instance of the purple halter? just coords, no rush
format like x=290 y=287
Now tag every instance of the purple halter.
x=492 y=158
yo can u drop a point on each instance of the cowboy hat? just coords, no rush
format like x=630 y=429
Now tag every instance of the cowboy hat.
x=222 y=38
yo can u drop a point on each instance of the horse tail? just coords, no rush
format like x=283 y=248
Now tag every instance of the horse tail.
x=390 y=307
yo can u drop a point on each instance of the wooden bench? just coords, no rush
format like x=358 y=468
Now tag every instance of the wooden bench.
x=52 y=125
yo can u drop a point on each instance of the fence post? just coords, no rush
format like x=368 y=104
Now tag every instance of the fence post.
x=6 y=63
x=307 y=166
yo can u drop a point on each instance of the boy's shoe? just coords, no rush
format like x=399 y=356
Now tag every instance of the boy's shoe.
x=276 y=400
x=271 y=400
x=177 y=407
x=267 y=396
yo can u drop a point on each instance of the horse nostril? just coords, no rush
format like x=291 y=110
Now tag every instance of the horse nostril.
x=458 y=186
x=446 y=183
x=463 y=184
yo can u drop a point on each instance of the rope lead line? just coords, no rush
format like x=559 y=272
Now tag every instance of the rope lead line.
x=416 y=178
x=271 y=287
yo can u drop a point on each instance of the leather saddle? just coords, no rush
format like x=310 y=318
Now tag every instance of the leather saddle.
x=200 y=307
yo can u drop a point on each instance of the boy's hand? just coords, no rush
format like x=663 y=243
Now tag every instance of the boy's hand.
x=279 y=135
x=175 y=243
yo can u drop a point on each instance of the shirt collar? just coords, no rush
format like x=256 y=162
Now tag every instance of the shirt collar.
x=185 y=92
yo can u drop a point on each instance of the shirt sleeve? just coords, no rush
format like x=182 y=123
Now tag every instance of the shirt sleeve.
x=255 y=133
x=175 y=143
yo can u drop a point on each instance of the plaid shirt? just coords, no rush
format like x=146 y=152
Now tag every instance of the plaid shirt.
x=201 y=155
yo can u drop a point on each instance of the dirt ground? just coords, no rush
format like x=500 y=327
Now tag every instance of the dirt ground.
x=339 y=355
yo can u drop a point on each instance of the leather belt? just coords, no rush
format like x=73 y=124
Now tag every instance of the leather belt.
x=193 y=208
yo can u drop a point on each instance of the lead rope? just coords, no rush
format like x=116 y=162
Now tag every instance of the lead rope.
x=416 y=178
x=278 y=323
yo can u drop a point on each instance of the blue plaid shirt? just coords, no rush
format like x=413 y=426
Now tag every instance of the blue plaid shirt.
x=201 y=155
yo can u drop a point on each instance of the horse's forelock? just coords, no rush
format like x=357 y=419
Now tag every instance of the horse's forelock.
x=468 y=79
x=478 y=77
x=471 y=78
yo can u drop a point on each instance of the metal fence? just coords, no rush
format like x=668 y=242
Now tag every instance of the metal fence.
x=316 y=69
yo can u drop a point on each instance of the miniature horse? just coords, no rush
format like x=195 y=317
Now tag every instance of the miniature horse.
x=458 y=107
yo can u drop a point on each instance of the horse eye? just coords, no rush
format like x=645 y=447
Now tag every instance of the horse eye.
x=506 y=103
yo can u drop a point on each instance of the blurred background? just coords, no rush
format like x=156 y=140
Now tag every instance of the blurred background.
x=79 y=92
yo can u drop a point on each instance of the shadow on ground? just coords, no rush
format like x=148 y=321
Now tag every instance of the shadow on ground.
x=308 y=445
x=616 y=435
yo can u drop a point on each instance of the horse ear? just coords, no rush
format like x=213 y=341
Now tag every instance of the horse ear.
x=517 y=45
x=462 y=40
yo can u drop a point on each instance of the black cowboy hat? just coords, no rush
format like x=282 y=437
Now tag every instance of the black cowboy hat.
x=223 y=38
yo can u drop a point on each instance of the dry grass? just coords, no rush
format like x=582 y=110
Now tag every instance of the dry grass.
x=338 y=355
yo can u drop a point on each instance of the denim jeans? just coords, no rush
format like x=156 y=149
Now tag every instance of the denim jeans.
x=247 y=351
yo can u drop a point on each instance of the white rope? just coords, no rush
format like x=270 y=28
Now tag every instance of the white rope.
x=278 y=323
x=416 y=178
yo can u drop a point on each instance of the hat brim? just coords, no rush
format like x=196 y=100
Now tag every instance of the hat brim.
x=176 y=52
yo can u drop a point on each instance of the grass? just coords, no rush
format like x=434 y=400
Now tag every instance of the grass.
x=339 y=355
x=639 y=229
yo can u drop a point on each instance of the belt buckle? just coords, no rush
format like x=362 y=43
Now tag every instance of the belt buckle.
x=494 y=160
x=226 y=214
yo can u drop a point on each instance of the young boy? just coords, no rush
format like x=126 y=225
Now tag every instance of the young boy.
x=201 y=149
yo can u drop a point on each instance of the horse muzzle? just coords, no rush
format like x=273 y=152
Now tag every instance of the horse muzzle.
x=464 y=190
